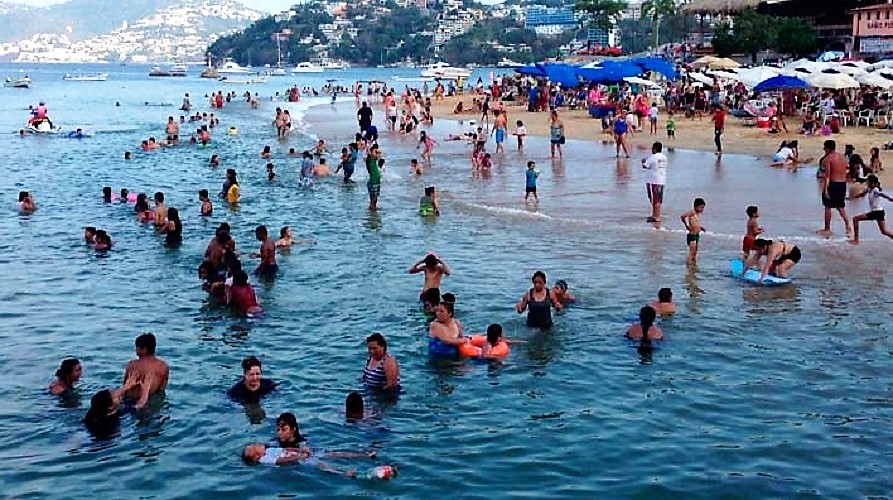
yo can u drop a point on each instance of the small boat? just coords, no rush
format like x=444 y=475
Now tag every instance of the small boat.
x=42 y=127
x=85 y=77
x=233 y=68
x=243 y=80
x=274 y=70
x=179 y=70
x=335 y=65
x=445 y=71
x=307 y=67
x=508 y=63
x=158 y=72
x=17 y=83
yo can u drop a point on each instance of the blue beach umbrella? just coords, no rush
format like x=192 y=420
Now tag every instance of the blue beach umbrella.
x=562 y=73
x=600 y=75
x=780 y=82
x=655 y=64
x=530 y=70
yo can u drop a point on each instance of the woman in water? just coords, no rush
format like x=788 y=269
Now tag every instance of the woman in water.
x=143 y=212
x=381 y=372
x=231 y=187
x=102 y=417
x=285 y=240
x=561 y=294
x=26 y=203
x=645 y=330
x=241 y=295
x=538 y=301
x=556 y=133
x=780 y=257
x=445 y=332
x=265 y=154
x=67 y=375
x=287 y=432
x=173 y=228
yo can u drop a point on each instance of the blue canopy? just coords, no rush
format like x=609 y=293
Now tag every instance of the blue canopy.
x=562 y=73
x=780 y=82
x=655 y=64
x=625 y=68
x=530 y=70
x=600 y=75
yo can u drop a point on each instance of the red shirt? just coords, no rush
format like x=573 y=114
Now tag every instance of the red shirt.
x=719 y=119
x=243 y=298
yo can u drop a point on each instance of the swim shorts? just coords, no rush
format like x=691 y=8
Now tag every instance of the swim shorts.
x=836 y=195
x=500 y=136
x=530 y=189
x=374 y=190
x=655 y=193
x=793 y=256
x=689 y=238
x=747 y=243
x=877 y=215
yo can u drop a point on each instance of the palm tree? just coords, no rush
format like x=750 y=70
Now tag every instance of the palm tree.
x=655 y=11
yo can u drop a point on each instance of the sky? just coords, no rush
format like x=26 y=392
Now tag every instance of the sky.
x=264 y=5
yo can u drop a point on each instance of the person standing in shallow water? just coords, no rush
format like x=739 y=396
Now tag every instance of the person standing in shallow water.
x=833 y=181
x=373 y=185
x=267 y=253
x=67 y=375
x=538 y=301
x=655 y=179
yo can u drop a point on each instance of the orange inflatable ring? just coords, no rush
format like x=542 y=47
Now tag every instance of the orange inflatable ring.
x=472 y=349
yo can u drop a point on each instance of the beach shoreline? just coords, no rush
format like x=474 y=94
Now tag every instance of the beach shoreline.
x=691 y=134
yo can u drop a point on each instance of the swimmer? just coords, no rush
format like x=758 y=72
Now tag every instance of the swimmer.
x=153 y=371
x=428 y=204
x=320 y=148
x=692 y=222
x=645 y=332
x=539 y=301
x=160 y=210
x=285 y=239
x=107 y=194
x=752 y=230
x=434 y=269
x=445 y=332
x=257 y=453
x=271 y=175
x=267 y=253
x=664 y=304
x=252 y=387
x=90 y=235
x=266 y=154
x=430 y=299
x=26 y=203
x=214 y=162
x=212 y=284
x=321 y=169
x=103 y=241
x=353 y=407
x=141 y=207
x=415 y=167
x=67 y=375
x=241 y=295
x=306 y=172
x=207 y=207
x=125 y=196
x=287 y=432
x=128 y=155
x=494 y=339
x=780 y=257
x=173 y=228
x=561 y=294
x=103 y=416
x=381 y=371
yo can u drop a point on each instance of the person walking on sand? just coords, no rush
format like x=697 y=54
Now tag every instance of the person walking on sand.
x=655 y=178
x=833 y=182
x=719 y=125
x=620 y=129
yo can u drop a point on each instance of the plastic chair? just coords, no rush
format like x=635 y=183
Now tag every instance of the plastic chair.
x=866 y=115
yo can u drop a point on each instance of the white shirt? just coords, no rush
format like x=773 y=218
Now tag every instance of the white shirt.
x=652 y=113
x=657 y=169
x=874 y=200
x=274 y=454
x=521 y=131
x=785 y=153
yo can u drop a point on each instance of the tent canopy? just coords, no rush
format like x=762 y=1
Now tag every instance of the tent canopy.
x=779 y=83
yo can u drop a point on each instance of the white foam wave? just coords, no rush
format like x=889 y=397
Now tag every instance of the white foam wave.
x=515 y=212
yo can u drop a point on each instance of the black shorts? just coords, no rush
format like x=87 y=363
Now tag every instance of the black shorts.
x=793 y=256
x=655 y=193
x=836 y=195
x=877 y=215
x=529 y=189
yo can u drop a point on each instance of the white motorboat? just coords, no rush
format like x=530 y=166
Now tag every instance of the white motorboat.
x=233 y=68
x=179 y=69
x=508 y=63
x=42 y=127
x=335 y=65
x=307 y=67
x=85 y=77
x=445 y=71
x=156 y=71
x=21 y=82
x=243 y=79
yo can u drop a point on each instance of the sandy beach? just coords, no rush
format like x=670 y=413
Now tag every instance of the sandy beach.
x=692 y=134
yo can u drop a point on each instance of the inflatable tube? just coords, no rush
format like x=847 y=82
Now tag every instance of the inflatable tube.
x=467 y=350
x=473 y=348
x=131 y=197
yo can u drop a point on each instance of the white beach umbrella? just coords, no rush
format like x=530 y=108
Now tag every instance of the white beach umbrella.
x=805 y=66
x=848 y=69
x=750 y=77
x=641 y=81
x=700 y=77
x=825 y=80
x=874 y=80
x=725 y=75
x=886 y=63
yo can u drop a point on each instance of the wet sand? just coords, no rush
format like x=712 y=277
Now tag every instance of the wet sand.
x=692 y=134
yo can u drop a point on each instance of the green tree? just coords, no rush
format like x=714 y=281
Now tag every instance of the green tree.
x=602 y=13
x=795 y=36
x=656 y=11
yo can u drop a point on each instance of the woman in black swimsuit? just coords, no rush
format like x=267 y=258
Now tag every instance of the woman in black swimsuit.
x=539 y=302
x=780 y=257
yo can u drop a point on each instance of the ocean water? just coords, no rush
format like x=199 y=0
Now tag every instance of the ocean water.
x=755 y=393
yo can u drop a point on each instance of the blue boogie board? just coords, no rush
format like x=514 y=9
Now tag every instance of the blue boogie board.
x=753 y=276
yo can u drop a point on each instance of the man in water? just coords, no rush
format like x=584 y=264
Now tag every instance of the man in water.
x=833 y=181
x=500 y=126
x=655 y=178
x=364 y=117
x=267 y=253
x=172 y=130
x=153 y=371
x=252 y=387
x=186 y=104
x=434 y=269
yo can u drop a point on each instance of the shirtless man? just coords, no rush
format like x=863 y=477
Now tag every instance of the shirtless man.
x=434 y=269
x=664 y=304
x=833 y=181
x=500 y=127
x=160 y=217
x=267 y=254
x=153 y=371
x=172 y=130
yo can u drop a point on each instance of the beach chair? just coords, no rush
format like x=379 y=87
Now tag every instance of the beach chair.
x=867 y=116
